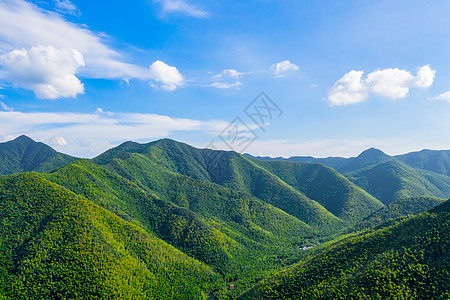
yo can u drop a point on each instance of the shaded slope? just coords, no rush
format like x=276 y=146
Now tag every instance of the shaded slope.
x=409 y=260
x=367 y=158
x=238 y=235
x=137 y=162
x=323 y=184
x=437 y=161
x=23 y=154
x=55 y=244
x=393 y=180
x=397 y=210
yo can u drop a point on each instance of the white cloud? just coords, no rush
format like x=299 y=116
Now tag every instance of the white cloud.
x=101 y=111
x=168 y=77
x=349 y=89
x=48 y=71
x=224 y=85
x=283 y=67
x=59 y=140
x=5 y=107
x=388 y=83
x=229 y=78
x=229 y=73
x=425 y=76
x=66 y=7
x=23 y=25
x=181 y=6
x=88 y=134
x=443 y=97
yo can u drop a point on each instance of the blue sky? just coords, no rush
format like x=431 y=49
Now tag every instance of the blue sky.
x=84 y=76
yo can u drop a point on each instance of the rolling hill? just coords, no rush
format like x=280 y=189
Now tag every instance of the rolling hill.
x=23 y=154
x=437 y=161
x=393 y=180
x=309 y=203
x=390 y=178
x=409 y=260
x=56 y=244
x=397 y=210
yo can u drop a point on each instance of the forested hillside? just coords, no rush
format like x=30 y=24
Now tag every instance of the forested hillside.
x=410 y=260
x=391 y=178
x=23 y=154
x=165 y=220
x=396 y=211
x=57 y=245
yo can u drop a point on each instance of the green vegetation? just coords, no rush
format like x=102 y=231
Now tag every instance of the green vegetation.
x=393 y=180
x=397 y=210
x=329 y=188
x=409 y=260
x=55 y=244
x=165 y=220
x=437 y=161
x=23 y=154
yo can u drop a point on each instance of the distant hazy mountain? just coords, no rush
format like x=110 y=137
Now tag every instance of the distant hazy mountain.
x=23 y=154
x=390 y=178
x=437 y=161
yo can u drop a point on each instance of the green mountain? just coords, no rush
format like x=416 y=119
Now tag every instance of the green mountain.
x=390 y=178
x=409 y=260
x=393 y=180
x=55 y=244
x=329 y=188
x=397 y=210
x=23 y=154
x=432 y=160
x=139 y=162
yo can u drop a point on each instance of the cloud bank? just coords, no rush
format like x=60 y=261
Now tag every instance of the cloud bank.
x=89 y=134
x=48 y=71
x=387 y=83
x=35 y=34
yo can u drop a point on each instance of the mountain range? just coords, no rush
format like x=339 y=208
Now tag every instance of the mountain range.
x=165 y=220
x=390 y=178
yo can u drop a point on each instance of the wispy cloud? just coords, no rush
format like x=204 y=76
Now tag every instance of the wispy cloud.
x=388 y=83
x=181 y=6
x=89 y=134
x=228 y=78
x=66 y=7
x=443 y=97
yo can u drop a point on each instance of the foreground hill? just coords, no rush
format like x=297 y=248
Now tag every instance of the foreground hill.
x=409 y=260
x=239 y=236
x=23 y=154
x=55 y=244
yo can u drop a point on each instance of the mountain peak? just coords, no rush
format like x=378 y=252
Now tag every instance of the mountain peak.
x=372 y=153
x=23 y=139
